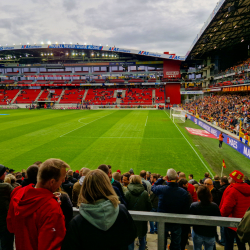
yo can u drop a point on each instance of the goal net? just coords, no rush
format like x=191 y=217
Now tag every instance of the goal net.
x=178 y=115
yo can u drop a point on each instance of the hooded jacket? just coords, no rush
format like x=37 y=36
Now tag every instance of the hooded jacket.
x=138 y=199
x=36 y=219
x=235 y=201
x=100 y=226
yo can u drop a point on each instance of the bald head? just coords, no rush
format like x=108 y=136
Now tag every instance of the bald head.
x=209 y=183
x=182 y=175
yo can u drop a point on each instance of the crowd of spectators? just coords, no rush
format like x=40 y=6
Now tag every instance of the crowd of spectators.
x=226 y=111
x=36 y=207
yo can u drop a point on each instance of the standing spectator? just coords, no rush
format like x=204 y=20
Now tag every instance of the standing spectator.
x=207 y=175
x=77 y=186
x=6 y=238
x=13 y=182
x=224 y=184
x=118 y=191
x=172 y=199
x=31 y=176
x=143 y=177
x=70 y=177
x=148 y=176
x=125 y=180
x=38 y=163
x=76 y=174
x=216 y=194
x=131 y=171
x=204 y=235
x=190 y=188
x=19 y=178
x=154 y=201
x=191 y=178
x=138 y=200
x=67 y=187
x=220 y=139
x=102 y=223
x=117 y=177
x=217 y=182
x=235 y=202
x=34 y=215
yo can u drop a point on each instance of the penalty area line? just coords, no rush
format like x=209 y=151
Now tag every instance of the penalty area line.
x=190 y=146
x=86 y=124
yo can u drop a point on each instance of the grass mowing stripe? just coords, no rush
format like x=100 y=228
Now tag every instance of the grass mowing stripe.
x=146 y=121
x=85 y=124
x=191 y=146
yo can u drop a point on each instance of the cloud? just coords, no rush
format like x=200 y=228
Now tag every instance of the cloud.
x=152 y=25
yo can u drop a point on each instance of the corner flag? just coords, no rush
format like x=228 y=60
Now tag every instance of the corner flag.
x=223 y=164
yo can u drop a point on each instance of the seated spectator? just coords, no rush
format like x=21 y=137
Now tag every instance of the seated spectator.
x=77 y=186
x=204 y=235
x=31 y=173
x=102 y=223
x=34 y=215
x=138 y=200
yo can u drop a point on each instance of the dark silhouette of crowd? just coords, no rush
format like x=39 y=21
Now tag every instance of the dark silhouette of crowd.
x=36 y=207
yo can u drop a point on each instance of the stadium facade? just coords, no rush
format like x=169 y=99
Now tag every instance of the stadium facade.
x=84 y=66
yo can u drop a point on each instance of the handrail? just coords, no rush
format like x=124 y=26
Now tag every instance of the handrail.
x=163 y=218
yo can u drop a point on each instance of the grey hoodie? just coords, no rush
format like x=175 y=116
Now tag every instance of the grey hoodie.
x=101 y=215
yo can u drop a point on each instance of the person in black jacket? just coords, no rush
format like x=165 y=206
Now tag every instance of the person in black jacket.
x=67 y=186
x=103 y=223
x=31 y=176
x=172 y=199
x=204 y=235
x=70 y=177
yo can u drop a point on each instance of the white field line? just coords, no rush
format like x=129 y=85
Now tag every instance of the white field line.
x=86 y=124
x=128 y=138
x=146 y=121
x=191 y=146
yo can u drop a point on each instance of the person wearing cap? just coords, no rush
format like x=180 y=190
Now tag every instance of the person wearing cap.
x=6 y=238
x=234 y=203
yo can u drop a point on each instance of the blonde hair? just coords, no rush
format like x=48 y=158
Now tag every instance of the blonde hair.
x=117 y=176
x=97 y=186
x=135 y=179
x=51 y=169
x=85 y=171
x=7 y=179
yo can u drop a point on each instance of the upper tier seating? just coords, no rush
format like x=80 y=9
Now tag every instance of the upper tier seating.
x=27 y=95
x=137 y=96
x=72 y=96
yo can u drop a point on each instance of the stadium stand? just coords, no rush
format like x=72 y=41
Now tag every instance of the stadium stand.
x=137 y=96
x=56 y=94
x=100 y=97
x=159 y=95
x=27 y=95
x=44 y=95
x=72 y=96
x=6 y=96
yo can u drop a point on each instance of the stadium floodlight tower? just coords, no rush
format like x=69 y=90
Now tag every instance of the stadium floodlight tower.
x=177 y=114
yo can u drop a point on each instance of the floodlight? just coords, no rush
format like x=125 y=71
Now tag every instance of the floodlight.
x=41 y=42
x=49 y=42
x=70 y=42
x=28 y=43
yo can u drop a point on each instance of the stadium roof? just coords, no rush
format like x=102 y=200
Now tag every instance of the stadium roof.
x=90 y=48
x=228 y=25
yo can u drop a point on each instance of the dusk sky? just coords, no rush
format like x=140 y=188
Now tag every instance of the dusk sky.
x=149 y=25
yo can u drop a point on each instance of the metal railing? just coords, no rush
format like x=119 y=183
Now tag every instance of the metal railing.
x=163 y=218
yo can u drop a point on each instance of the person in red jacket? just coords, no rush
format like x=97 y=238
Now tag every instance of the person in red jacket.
x=234 y=203
x=190 y=189
x=35 y=215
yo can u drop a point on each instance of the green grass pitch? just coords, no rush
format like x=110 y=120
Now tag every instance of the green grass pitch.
x=139 y=139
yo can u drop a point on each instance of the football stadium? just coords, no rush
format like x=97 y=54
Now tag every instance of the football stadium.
x=133 y=113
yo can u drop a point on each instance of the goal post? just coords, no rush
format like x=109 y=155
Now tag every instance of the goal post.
x=178 y=114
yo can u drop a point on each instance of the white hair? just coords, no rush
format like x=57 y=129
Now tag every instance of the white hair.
x=171 y=174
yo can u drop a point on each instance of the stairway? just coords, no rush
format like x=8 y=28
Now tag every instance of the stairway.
x=118 y=101
x=58 y=101
x=85 y=94
x=115 y=94
x=39 y=95
x=153 y=96
x=13 y=100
